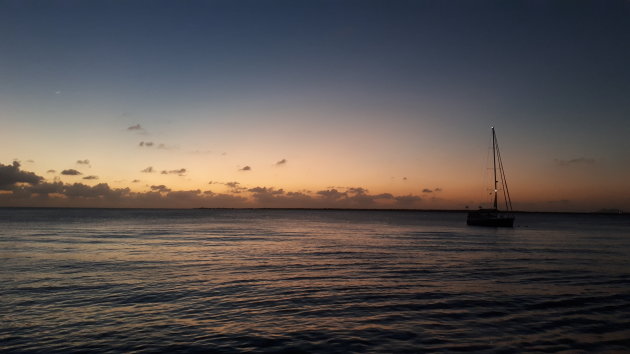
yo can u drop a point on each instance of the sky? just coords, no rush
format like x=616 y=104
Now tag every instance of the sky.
x=349 y=104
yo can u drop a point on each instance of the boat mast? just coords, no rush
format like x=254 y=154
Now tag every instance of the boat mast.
x=494 y=166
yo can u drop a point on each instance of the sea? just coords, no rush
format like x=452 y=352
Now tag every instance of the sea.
x=310 y=281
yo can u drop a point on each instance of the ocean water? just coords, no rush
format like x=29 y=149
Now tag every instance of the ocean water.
x=109 y=280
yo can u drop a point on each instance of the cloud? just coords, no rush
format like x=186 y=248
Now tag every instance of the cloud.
x=135 y=181
x=357 y=190
x=359 y=197
x=70 y=172
x=160 y=196
x=159 y=146
x=80 y=190
x=148 y=170
x=160 y=188
x=235 y=187
x=51 y=171
x=264 y=192
x=90 y=177
x=246 y=168
x=180 y=172
x=135 y=127
x=45 y=188
x=437 y=189
x=83 y=162
x=331 y=194
x=27 y=189
x=427 y=190
x=576 y=161
x=407 y=200
x=281 y=162
x=271 y=197
x=11 y=174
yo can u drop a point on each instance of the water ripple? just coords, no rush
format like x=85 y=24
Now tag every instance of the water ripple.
x=310 y=281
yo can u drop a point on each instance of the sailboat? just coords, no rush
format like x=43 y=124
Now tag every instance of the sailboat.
x=493 y=216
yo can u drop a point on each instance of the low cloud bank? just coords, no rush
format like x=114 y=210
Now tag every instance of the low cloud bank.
x=22 y=188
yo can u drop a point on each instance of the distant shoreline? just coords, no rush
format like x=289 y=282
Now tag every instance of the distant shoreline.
x=338 y=209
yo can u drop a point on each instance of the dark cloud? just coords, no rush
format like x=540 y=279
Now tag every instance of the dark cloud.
x=135 y=181
x=90 y=177
x=30 y=190
x=281 y=162
x=180 y=172
x=235 y=187
x=148 y=170
x=11 y=174
x=427 y=190
x=407 y=200
x=51 y=171
x=332 y=194
x=161 y=188
x=135 y=127
x=330 y=198
x=80 y=190
x=47 y=188
x=246 y=168
x=83 y=162
x=357 y=190
x=271 y=197
x=265 y=190
x=36 y=192
x=101 y=195
x=577 y=161
x=159 y=146
x=404 y=178
x=359 y=198
x=70 y=172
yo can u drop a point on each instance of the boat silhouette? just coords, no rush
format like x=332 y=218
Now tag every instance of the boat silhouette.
x=493 y=216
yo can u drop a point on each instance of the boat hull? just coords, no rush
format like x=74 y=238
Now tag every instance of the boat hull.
x=490 y=218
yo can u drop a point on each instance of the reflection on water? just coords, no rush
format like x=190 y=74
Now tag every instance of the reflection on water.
x=238 y=280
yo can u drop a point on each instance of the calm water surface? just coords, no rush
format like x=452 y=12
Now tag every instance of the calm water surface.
x=75 y=280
